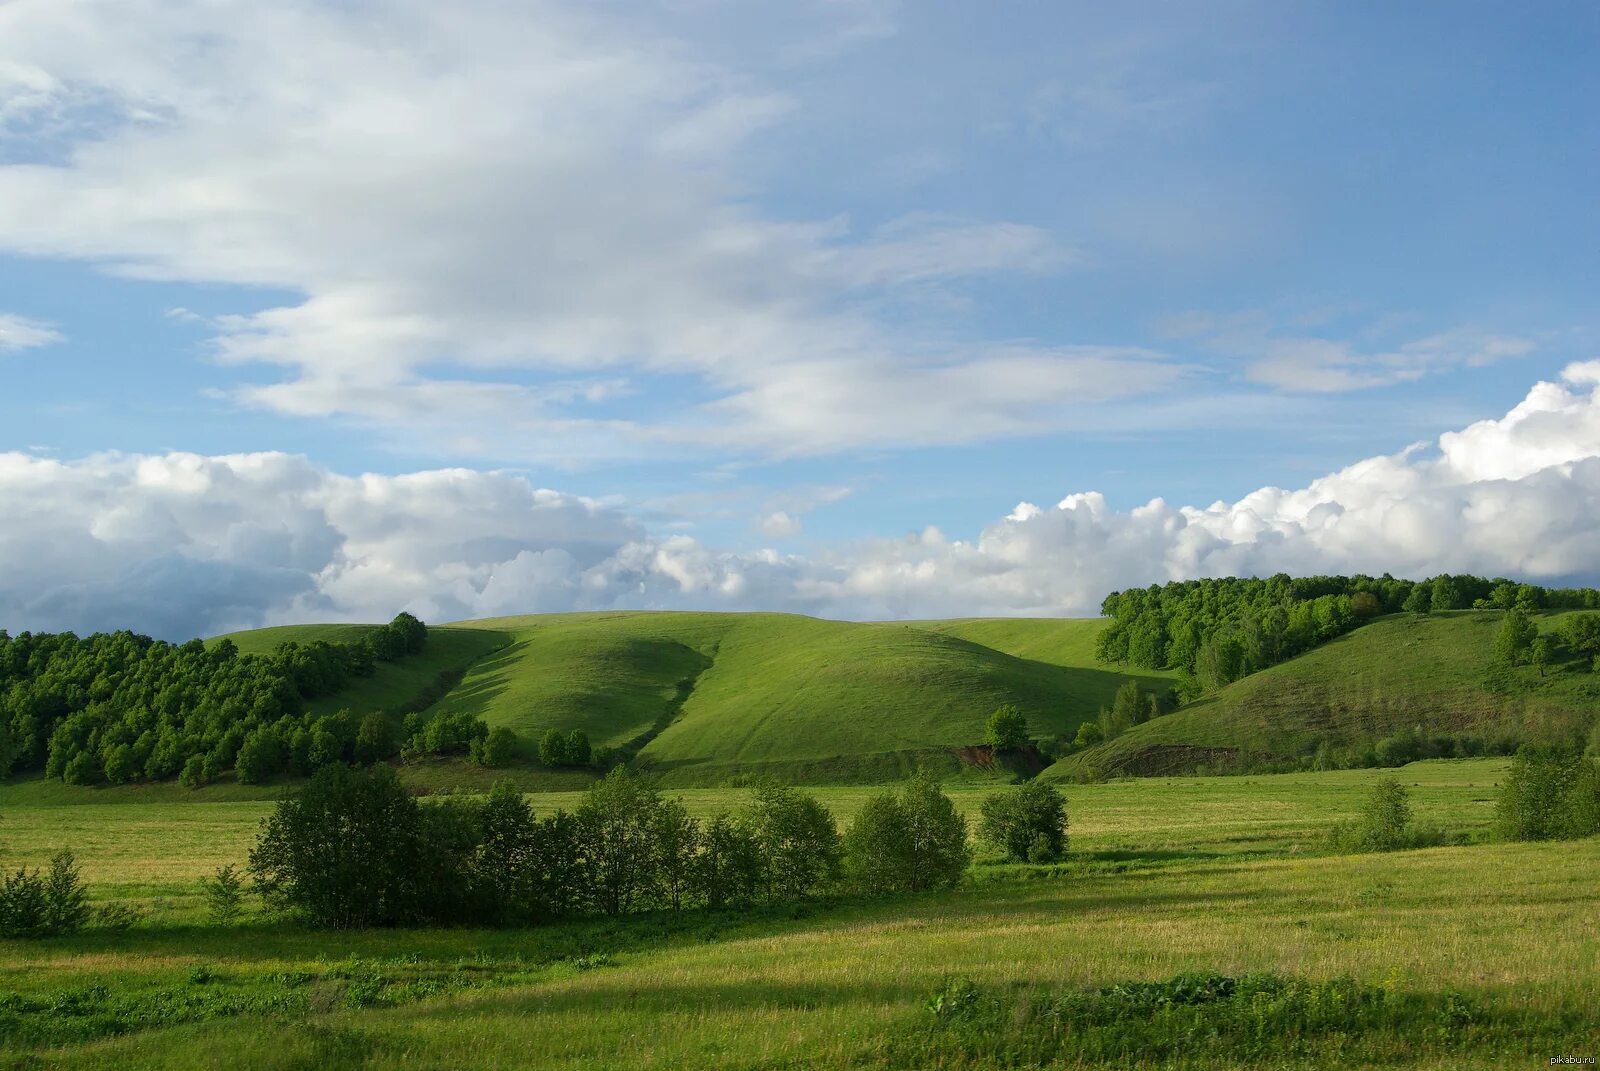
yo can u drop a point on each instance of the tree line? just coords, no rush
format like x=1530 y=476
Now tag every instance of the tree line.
x=119 y=707
x=353 y=848
x=1219 y=630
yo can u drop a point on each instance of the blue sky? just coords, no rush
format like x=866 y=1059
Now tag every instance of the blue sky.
x=872 y=267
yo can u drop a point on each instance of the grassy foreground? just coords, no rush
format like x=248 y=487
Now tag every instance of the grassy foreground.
x=1479 y=955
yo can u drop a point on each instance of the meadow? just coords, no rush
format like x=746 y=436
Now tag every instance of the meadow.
x=1475 y=955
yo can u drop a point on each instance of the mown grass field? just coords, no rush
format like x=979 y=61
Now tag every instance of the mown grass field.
x=1166 y=875
x=1434 y=672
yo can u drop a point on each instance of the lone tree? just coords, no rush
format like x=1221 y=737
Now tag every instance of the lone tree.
x=908 y=842
x=1029 y=823
x=1007 y=729
x=1513 y=644
x=1386 y=819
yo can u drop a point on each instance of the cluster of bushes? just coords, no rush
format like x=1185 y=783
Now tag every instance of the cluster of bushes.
x=569 y=748
x=353 y=848
x=1217 y=631
x=47 y=904
x=121 y=707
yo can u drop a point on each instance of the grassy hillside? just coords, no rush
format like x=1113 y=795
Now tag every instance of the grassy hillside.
x=702 y=697
x=395 y=684
x=1435 y=672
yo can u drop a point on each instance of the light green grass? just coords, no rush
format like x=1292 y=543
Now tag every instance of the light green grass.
x=1214 y=874
x=152 y=850
x=1433 y=672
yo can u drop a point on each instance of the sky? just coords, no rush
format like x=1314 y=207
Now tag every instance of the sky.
x=324 y=309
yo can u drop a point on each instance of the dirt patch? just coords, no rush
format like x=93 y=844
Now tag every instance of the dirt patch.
x=1025 y=762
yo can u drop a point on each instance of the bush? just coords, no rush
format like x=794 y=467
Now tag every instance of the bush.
x=1548 y=793
x=615 y=822
x=224 y=895
x=194 y=772
x=798 y=841
x=1007 y=729
x=570 y=748
x=907 y=843
x=120 y=767
x=1029 y=823
x=498 y=748
x=347 y=851
x=43 y=905
x=1385 y=823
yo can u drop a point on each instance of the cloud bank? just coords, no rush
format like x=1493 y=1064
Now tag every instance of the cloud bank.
x=182 y=544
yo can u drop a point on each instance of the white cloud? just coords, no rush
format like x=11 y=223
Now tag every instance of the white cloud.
x=489 y=208
x=779 y=524
x=20 y=333
x=182 y=544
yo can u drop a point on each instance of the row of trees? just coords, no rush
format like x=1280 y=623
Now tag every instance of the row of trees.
x=1219 y=630
x=122 y=707
x=353 y=848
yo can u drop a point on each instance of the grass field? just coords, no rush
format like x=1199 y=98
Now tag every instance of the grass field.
x=1232 y=875
x=1435 y=672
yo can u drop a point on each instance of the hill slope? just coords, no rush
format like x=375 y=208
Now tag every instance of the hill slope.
x=704 y=697
x=1433 y=672
x=394 y=685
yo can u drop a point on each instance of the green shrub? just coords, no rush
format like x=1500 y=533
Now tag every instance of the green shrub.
x=498 y=748
x=224 y=895
x=1028 y=823
x=1547 y=793
x=798 y=840
x=43 y=905
x=1007 y=729
x=908 y=842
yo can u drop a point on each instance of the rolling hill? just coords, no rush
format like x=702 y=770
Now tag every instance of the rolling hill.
x=1432 y=672
x=702 y=698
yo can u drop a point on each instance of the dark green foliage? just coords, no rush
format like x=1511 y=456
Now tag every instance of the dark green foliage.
x=564 y=748
x=374 y=740
x=1548 y=793
x=224 y=895
x=1581 y=634
x=450 y=733
x=675 y=841
x=616 y=825
x=348 y=850
x=728 y=868
x=119 y=707
x=43 y=905
x=1007 y=729
x=908 y=842
x=497 y=748
x=798 y=841
x=1221 y=630
x=1028 y=823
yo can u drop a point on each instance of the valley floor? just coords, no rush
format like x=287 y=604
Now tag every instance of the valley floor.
x=1490 y=950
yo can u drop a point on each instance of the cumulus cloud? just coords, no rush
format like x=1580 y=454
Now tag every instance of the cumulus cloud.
x=502 y=216
x=21 y=333
x=182 y=544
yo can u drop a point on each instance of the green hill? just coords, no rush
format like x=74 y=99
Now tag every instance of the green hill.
x=706 y=697
x=1432 y=672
